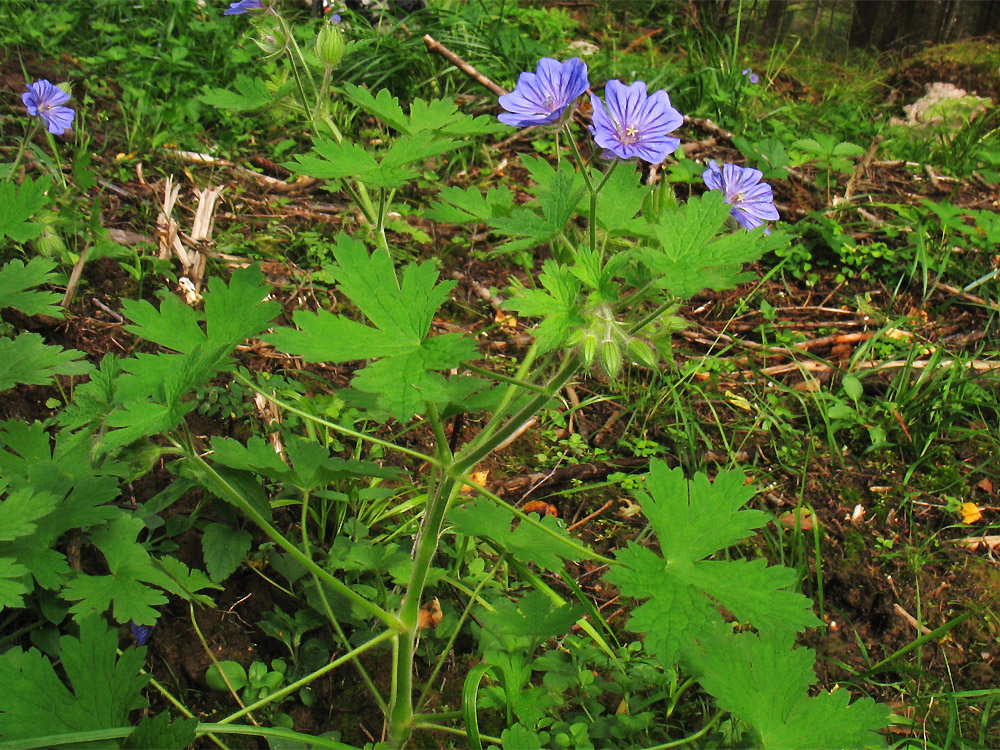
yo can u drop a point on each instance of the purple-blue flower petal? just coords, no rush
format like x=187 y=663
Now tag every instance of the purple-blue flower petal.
x=45 y=100
x=752 y=201
x=142 y=633
x=631 y=124
x=243 y=6
x=542 y=97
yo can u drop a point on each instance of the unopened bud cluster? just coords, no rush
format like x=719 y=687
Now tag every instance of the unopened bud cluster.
x=604 y=340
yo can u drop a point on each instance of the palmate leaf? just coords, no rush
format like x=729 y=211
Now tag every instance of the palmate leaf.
x=403 y=376
x=101 y=691
x=133 y=573
x=12 y=586
x=17 y=287
x=28 y=359
x=556 y=303
x=690 y=257
x=693 y=520
x=464 y=205
x=150 y=398
x=251 y=93
x=764 y=682
x=558 y=196
x=390 y=168
x=436 y=116
x=18 y=204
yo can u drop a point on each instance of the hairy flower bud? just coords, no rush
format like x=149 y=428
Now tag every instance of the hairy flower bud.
x=642 y=352
x=611 y=358
x=330 y=45
x=588 y=349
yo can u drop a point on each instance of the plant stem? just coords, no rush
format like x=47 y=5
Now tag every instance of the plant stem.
x=229 y=493
x=424 y=548
x=20 y=150
x=478 y=449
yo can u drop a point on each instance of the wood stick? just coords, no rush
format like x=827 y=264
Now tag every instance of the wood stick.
x=433 y=45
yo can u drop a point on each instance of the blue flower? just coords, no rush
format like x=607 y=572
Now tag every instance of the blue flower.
x=334 y=19
x=542 y=97
x=752 y=200
x=753 y=76
x=635 y=125
x=45 y=100
x=142 y=633
x=243 y=6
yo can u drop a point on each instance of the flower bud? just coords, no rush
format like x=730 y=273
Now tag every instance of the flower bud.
x=611 y=358
x=642 y=352
x=271 y=39
x=588 y=349
x=330 y=45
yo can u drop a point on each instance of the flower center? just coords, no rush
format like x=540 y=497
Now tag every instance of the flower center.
x=631 y=134
x=549 y=104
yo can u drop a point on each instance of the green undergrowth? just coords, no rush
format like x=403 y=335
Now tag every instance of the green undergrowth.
x=339 y=434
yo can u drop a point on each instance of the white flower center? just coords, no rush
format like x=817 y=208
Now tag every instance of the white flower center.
x=631 y=134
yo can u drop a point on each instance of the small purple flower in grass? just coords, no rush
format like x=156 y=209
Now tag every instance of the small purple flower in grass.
x=142 y=633
x=633 y=125
x=542 y=97
x=753 y=76
x=334 y=19
x=45 y=100
x=752 y=200
x=243 y=6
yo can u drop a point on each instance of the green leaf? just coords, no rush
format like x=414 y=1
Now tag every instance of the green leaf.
x=160 y=732
x=251 y=93
x=436 y=116
x=233 y=671
x=12 y=587
x=16 y=279
x=133 y=573
x=764 y=682
x=28 y=359
x=526 y=543
x=233 y=313
x=150 y=397
x=384 y=106
x=519 y=737
x=20 y=509
x=403 y=379
x=100 y=695
x=534 y=617
x=556 y=302
x=620 y=200
x=464 y=205
x=18 y=204
x=690 y=257
x=224 y=549
x=330 y=160
x=692 y=520
x=557 y=201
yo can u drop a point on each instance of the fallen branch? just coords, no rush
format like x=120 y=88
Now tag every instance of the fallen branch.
x=433 y=45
